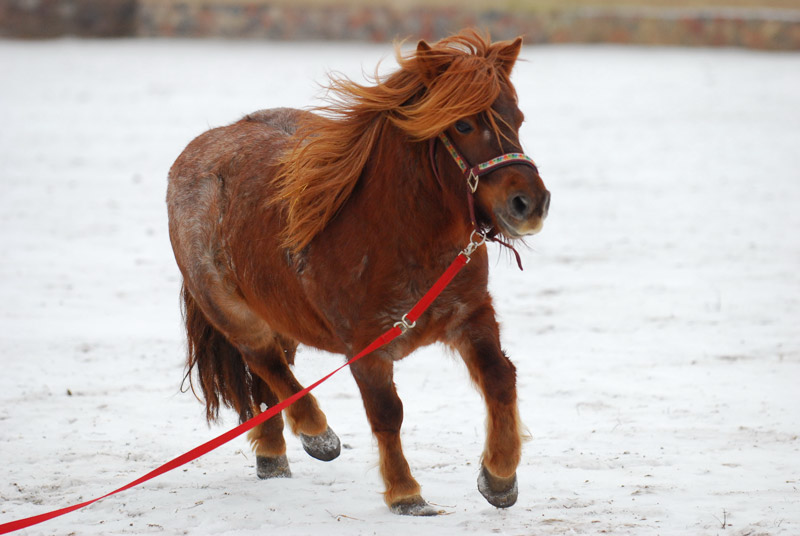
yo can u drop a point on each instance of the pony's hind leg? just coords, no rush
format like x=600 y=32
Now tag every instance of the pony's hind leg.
x=260 y=354
x=267 y=439
x=225 y=379
x=305 y=417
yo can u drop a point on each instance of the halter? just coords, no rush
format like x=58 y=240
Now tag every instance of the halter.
x=472 y=174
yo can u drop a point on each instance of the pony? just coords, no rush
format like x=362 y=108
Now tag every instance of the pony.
x=323 y=227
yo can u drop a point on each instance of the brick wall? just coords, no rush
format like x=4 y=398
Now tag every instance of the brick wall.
x=55 y=18
x=757 y=28
x=770 y=24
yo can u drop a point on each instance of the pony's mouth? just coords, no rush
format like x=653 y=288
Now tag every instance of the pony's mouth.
x=513 y=230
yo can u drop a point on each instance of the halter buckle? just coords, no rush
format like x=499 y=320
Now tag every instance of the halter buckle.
x=472 y=181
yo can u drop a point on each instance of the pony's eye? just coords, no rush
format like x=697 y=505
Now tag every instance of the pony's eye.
x=463 y=127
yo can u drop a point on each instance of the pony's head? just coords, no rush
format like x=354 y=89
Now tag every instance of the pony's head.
x=467 y=80
x=459 y=86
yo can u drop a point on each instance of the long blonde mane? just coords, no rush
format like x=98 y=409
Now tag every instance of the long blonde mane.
x=435 y=86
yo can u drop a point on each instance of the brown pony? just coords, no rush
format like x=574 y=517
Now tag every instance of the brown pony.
x=292 y=227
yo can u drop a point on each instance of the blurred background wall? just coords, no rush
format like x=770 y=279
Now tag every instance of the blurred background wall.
x=765 y=24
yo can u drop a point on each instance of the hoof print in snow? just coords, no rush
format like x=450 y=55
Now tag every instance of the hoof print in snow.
x=325 y=446
x=500 y=492
x=414 y=506
x=277 y=467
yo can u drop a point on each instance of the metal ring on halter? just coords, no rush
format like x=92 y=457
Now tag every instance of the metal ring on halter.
x=473 y=243
x=404 y=325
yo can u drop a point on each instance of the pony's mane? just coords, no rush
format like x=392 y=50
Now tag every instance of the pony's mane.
x=329 y=150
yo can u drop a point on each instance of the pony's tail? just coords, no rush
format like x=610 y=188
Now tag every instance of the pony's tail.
x=221 y=372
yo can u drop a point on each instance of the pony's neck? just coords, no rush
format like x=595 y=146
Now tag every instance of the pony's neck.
x=417 y=205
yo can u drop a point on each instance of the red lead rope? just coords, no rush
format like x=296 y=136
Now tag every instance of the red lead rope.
x=399 y=328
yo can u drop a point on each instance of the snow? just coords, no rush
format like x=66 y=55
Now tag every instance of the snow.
x=655 y=327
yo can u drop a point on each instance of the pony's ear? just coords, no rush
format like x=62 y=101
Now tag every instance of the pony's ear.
x=429 y=63
x=507 y=55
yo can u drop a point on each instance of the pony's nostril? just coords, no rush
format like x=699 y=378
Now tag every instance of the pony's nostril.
x=520 y=206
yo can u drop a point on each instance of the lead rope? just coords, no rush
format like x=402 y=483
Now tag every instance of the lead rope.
x=408 y=321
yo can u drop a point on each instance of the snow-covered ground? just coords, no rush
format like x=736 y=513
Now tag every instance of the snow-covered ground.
x=656 y=327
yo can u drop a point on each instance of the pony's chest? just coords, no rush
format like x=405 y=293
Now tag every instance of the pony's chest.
x=448 y=313
x=369 y=294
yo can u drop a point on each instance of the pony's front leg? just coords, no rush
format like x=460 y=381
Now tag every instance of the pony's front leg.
x=478 y=342
x=374 y=376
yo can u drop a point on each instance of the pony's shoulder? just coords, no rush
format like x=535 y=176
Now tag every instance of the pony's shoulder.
x=284 y=119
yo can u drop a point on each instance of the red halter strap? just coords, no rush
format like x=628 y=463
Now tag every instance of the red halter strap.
x=473 y=175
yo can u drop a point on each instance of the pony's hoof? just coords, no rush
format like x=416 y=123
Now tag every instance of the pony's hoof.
x=500 y=492
x=414 y=506
x=325 y=446
x=277 y=467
